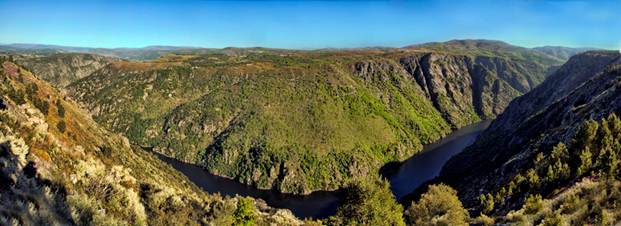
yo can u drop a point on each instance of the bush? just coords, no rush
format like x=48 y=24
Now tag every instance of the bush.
x=245 y=212
x=369 y=203
x=17 y=97
x=42 y=105
x=60 y=108
x=61 y=126
x=533 y=204
x=552 y=219
x=438 y=206
x=484 y=220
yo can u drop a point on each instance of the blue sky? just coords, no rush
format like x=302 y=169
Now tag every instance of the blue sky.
x=303 y=24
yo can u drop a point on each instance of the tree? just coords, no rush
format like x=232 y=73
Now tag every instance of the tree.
x=368 y=203
x=585 y=136
x=560 y=151
x=586 y=161
x=533 y=178
x=245 y=212
x=533 y=204
x=615 y=125
x=487 y=202
x=604 y=143
x=438 y=206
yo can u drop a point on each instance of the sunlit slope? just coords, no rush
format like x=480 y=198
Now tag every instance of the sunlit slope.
x=300 y=121
x=59 y=166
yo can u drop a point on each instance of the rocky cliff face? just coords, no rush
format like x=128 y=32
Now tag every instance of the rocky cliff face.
x=470 y=87
x=587 y=87
x=61 y=69
x=301 y=121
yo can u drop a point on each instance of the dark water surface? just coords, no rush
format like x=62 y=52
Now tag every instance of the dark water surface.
x=427 y=164
x=409 y=175
x=318 y=204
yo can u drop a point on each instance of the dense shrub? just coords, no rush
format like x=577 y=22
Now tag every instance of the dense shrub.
x=60 y=109
x=369 y=203
x=533 y=204
x=42 y=105
x=61 y=126
x=438 y=206
x=245 y=212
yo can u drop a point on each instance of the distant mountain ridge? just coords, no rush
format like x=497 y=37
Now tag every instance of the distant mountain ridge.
x=152 y=52
x=561 y=52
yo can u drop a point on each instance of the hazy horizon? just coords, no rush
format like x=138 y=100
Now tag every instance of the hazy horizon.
x=303 y=49
x=308 y=25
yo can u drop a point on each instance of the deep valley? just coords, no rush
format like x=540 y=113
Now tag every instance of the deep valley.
x=455 y=133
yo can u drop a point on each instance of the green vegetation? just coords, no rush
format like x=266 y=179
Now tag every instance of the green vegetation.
x=533 y=204
x=60 y=109
x=487 y=201
x=300 y=121
x=61 y=126
x=245 y=212
x=368 y=203
x=588 y=202
x=86 y=175
x=593 y=153
x=438 y=206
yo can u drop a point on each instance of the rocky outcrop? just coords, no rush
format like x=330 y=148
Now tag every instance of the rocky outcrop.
x=588 y=86
x=61 y=69
x=463 y=87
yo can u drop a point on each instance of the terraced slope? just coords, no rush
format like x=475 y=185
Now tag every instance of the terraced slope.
x=300 y=121
x=59 y=167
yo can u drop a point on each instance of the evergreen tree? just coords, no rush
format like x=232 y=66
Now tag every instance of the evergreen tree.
x=533 y=178
x=487 y=202
x=560 y=151
x=586 y=161
x=604 y=144
x=615 y=126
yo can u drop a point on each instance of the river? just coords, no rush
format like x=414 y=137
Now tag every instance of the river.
x=408 y=176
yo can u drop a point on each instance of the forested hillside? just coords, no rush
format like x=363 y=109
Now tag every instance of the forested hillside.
x=60 y=167
x=301 y=121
